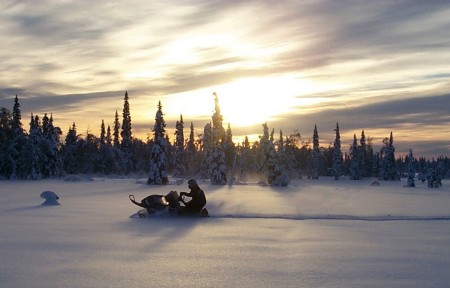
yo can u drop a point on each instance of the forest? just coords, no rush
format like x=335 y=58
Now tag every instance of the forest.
x=43 y=152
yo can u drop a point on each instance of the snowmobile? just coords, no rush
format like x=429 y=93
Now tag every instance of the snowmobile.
x=171 y=204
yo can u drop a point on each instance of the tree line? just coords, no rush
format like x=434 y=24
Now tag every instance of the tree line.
x=43 y=151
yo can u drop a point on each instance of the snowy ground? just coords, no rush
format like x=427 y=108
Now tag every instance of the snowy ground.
x=311 y=234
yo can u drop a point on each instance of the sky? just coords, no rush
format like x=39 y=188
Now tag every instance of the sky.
x=377 y=66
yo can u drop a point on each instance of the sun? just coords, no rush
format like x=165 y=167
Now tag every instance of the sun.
x=251 y=101
x=243 y=102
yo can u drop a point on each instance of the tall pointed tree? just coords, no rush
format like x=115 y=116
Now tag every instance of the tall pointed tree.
x=34 y=139
x=158 y=158
x=126 y=125
x=15 y=146
x=276 y=174
x=179 y=165
x=126 y=135
x=218 y=166
x=206 y=151
x=411 y=170
x=116 y=133
x=192 y=161
x=354 y=164
x=108 y=139
x=102 y=133
x=362 y=155
x=337 y=154
x=16 y=118
x=315 y=154
x=389 y=165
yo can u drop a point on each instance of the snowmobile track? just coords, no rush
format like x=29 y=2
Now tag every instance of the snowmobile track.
x=337 y=217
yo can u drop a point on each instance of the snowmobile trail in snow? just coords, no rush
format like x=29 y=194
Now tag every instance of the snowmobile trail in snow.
x=336 y=217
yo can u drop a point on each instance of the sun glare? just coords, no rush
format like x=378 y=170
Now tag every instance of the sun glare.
x=244 y=102
x=252 y=101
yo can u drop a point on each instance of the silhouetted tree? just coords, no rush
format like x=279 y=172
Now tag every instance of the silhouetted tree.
x=354 y=164
x=315 y=154
x=411 y=170
x=158 y=158
x=337 y=154
x=179 y=166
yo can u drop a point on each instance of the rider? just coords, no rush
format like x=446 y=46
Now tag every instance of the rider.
x=198 y=200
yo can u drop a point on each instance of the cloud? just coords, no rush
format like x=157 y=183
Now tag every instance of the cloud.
x=368 y=60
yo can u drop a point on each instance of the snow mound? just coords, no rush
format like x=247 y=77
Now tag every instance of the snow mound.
x=50 y=197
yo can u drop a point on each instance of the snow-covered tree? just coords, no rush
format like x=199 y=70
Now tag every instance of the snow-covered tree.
x=276 y=174
x=218 y=174
x=411 y=170
x=264 y=148
x=229 y=148
x=158 y=159
x=192 y=157
x=49 y=147
x=243 y=160
x=337 y=154
x=15 y=146
x=206 y=150
x=35 y=135
x=218 y=167
x=69 y=150
x=179 y=158
x=6 y=135
x=388 y=163
x=354 y=164
x=315 y=154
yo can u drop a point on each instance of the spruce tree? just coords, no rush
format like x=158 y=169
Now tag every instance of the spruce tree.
x=244 y=159
x=315 y=154
x=218 y=167
x=70 y=150
x=389 y=165
x=116 y=139
x=108 y=139
x=337 y=154
x=230 y=148
x=126 y=135
x=16 y=118
x=206 y=150
x=49 y=147
x=192 y=161
x=158 y=158
x=15 y=147
x=126 y=125
x=179 y=166
x=6 y=136
x=264 y=149
x=102 y=133
x=276 y=176
x=34 y=139
x=354 y=164
x=362 y=155
x=411 y=170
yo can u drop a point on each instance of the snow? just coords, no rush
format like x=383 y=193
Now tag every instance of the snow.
x=312 y=233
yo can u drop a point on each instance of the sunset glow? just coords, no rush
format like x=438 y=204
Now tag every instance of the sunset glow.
x=363 y=64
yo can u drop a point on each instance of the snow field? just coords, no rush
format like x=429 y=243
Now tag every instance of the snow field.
x=309 y=234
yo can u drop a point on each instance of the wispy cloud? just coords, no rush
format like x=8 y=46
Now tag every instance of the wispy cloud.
x=384 y=63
